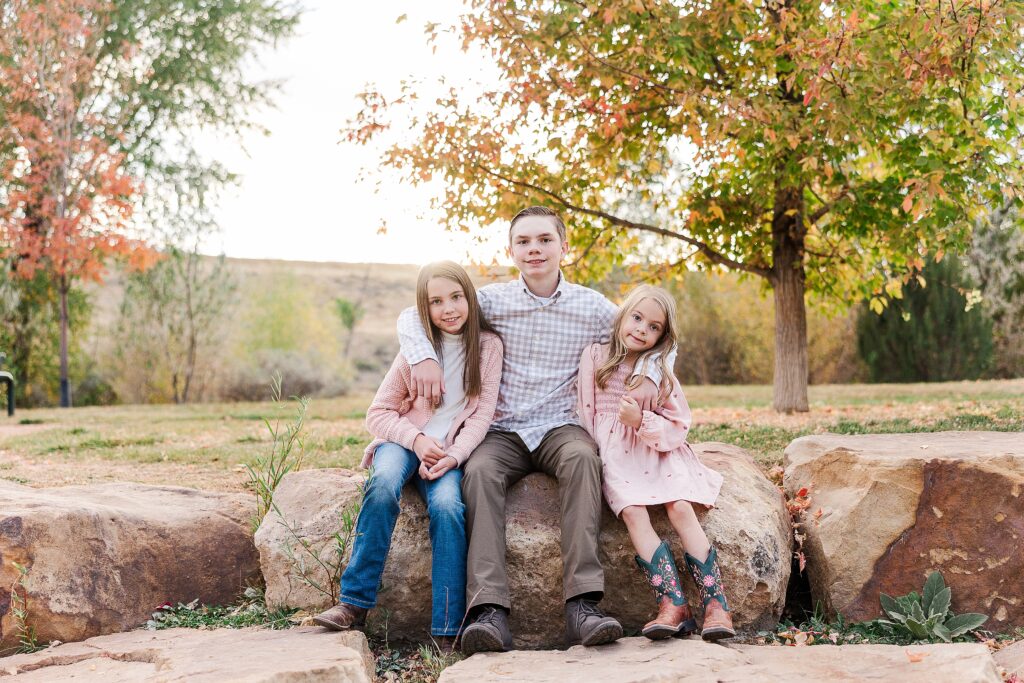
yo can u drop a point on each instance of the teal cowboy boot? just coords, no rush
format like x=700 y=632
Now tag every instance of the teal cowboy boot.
x=708 y=577
x=674 y=615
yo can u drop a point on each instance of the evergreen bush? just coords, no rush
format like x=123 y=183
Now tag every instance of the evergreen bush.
x=931 y=334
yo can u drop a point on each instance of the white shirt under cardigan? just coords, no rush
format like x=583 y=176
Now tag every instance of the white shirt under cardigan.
x=544 y=339
x=453 y=364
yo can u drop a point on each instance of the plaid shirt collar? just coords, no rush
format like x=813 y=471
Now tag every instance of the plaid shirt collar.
x=560 y=290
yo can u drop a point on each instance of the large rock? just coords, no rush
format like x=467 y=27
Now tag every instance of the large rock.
x=1011 y=659
x=749 y=525
x=641 y=660
x=100 y=559
x=896 y=507
x=186 y=655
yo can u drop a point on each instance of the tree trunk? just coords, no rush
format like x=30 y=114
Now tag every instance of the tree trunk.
x=788 y=285
x=65 y=386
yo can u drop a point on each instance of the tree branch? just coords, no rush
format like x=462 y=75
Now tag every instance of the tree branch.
x=706 y=250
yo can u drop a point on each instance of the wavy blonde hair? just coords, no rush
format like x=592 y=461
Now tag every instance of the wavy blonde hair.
x=617 y=350
x=475 y=321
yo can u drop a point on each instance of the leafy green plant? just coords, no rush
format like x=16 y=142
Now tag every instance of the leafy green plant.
x=927 y=616
x=286 y=451
x=251 y=610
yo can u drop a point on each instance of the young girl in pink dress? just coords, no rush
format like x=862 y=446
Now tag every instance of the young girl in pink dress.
x=646 y=461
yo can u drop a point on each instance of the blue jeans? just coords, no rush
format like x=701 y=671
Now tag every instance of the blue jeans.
x=393 y=466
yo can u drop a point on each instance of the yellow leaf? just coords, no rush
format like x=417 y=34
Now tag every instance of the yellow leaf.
x=402 y=18
x=877 y=305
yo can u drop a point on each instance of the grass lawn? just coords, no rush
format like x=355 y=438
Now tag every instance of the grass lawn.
x=207 y=445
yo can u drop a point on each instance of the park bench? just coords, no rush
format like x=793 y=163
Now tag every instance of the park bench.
x=8 y=379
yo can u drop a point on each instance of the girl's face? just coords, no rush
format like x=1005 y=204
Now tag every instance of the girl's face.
x=449 y=308
x=643 y=326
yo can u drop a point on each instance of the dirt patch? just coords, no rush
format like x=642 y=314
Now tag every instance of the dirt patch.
x=44 y=473
x=12 y=430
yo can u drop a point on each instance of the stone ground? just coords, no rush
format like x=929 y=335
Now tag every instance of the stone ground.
x=181 y=655
x=636 y=660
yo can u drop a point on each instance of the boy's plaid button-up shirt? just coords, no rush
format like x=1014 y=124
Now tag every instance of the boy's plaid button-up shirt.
x=544 y=339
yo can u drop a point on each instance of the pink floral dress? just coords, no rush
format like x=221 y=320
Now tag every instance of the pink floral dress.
x=647 y=466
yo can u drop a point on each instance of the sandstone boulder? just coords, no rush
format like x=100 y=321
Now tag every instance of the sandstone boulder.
x=189 y=655
x=1011 y=659
x=100 y=559
x=638 y=659
x=749 y=525
x=896 y=507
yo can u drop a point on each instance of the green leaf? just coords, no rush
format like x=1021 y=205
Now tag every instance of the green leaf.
x=932 y=586
x=917 y=613
x=891 y=607
x=916 y=628
x=942 y=632
x=940 y=604
x=962 y=623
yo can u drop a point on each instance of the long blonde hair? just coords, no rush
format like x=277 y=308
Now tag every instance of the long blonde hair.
x=617 y=350
x=475 y=321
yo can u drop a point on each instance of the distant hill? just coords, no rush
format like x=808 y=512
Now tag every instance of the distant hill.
x=384 y=290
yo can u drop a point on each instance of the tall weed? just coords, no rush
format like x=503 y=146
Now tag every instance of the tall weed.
x=285 y=455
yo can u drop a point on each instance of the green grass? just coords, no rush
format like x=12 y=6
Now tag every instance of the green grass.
x=767 y=442
x=250 y=611
x=220 y=438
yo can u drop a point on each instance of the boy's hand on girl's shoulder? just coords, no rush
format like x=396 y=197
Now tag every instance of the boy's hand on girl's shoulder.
x=428 y=381
x=428 y=449
x=630 y=413
x=645 y=395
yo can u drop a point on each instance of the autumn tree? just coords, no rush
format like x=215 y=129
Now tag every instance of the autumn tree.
x=823 y=147
x=149 y=75
x=71 y=198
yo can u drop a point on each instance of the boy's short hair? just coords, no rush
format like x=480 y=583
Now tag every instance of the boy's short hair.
x=539 y=211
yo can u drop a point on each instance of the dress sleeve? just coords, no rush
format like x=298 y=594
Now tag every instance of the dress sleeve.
x=412 y=339
x=666 y=428
x=585 y=391
x=385 y=417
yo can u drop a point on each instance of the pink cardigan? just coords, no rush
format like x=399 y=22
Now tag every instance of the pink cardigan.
x=664 y=429
x=394 y=416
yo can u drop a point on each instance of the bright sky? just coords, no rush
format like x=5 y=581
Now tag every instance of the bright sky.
x=299 y=198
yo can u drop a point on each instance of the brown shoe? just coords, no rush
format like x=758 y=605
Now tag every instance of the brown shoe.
x=717 y=622
x=587 y=625
x=341 y=617
x=672 y=620
x=445 y=644
x=488 y=632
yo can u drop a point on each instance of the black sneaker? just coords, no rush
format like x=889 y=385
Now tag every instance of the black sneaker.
x=586 y=624
x=488 y=632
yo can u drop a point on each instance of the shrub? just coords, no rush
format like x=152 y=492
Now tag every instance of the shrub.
x=299 y=376
x=931 y=334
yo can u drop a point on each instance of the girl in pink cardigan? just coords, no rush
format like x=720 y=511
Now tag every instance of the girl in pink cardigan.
x=646 y=461
x=428 y=444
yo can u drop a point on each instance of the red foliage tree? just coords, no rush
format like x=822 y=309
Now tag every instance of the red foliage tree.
x=68 y=196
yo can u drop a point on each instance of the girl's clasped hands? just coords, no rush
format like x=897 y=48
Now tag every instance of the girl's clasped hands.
x=433 y=460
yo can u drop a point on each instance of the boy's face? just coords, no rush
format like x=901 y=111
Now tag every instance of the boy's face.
x=536 y=248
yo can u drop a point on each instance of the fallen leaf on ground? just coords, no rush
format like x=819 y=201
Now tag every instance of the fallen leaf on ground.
x=915 y=657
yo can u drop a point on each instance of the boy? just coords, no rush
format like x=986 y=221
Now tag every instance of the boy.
x=545 y=323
